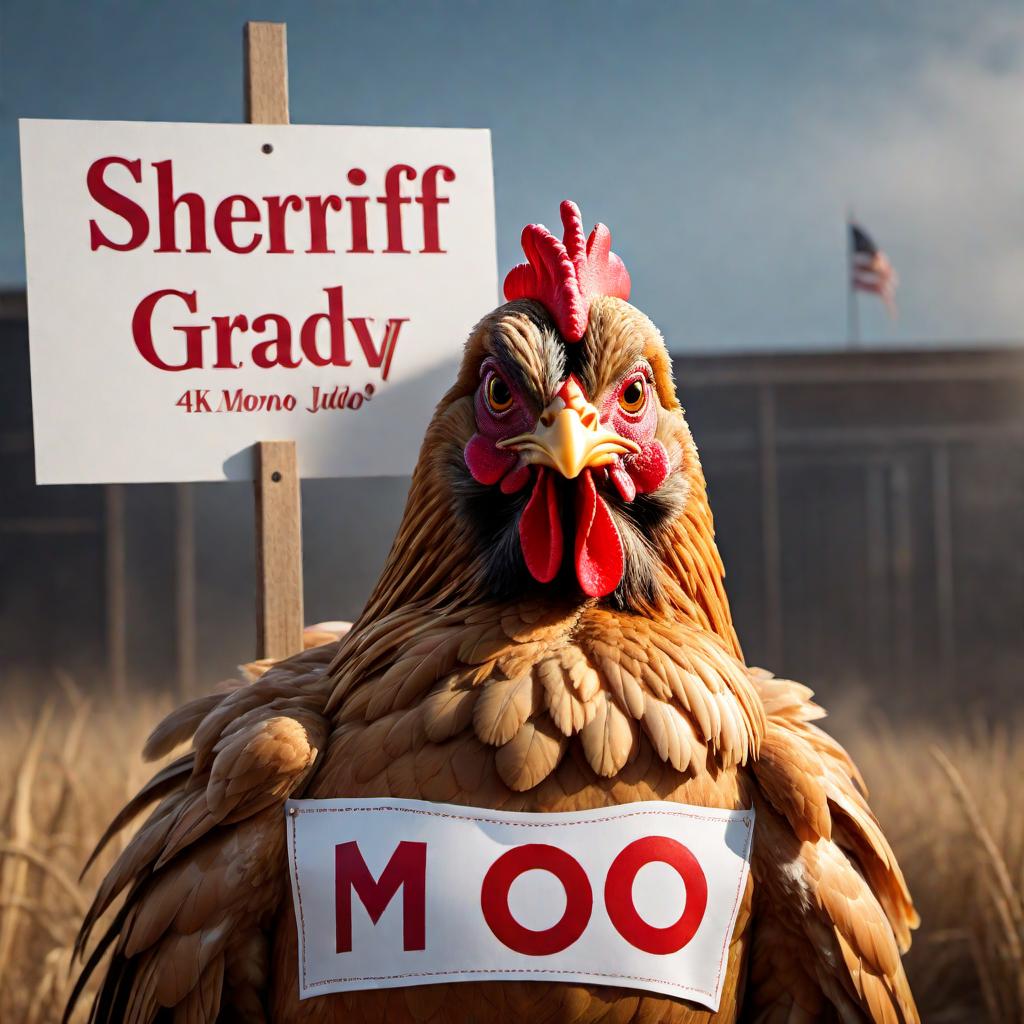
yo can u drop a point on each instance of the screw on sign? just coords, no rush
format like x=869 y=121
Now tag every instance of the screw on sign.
x=407 y=870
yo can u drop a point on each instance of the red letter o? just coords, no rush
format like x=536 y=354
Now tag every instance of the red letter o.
x=618 y=894
x=579 y=899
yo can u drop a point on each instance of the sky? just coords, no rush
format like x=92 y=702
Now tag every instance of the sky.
x=722 y=142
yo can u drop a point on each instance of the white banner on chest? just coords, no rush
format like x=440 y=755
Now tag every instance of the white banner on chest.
x=391 y=892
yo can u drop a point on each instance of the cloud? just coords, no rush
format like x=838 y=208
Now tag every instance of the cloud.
x=934 y=165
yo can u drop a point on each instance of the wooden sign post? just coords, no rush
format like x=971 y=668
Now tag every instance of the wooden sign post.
x=278 y=515
x=367 y=309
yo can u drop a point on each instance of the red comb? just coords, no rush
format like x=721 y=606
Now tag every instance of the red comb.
x=566 y=275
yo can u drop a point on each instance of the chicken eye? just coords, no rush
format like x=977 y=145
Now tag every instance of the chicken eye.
x=499 y=394
x=633 y=396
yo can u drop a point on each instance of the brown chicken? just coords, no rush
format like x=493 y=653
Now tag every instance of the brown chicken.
x=550 y=633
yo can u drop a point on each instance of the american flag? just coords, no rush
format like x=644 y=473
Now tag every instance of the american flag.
x=870 y=269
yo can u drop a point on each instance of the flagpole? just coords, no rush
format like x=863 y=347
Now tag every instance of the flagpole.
x=852 y=311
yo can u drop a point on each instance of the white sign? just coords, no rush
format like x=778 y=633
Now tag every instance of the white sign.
x=403 y=892
x=195 y=288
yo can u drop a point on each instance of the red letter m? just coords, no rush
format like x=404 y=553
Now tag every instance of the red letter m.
x=407 y=868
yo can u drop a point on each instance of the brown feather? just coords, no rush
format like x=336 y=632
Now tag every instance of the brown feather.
x=448 y=689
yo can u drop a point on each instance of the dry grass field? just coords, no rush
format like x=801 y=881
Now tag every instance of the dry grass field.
x=949 y=800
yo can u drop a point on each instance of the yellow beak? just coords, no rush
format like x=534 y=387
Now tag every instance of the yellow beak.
x=569 y=436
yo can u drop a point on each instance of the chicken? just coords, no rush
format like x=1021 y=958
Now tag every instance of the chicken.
x=550 y=632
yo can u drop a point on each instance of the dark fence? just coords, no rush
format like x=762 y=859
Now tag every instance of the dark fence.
x=870 y=510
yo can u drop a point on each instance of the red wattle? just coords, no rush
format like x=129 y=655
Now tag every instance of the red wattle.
x=599 y=556
x=516 y=480
x=540 y=530
x=623 y=482
x=648 y=467
x=486 y=461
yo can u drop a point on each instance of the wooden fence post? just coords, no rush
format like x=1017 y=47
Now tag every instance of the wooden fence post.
x=185 y=587
x=117 y=629
x=771 y=536
x=278 y=517
x=945 y=577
